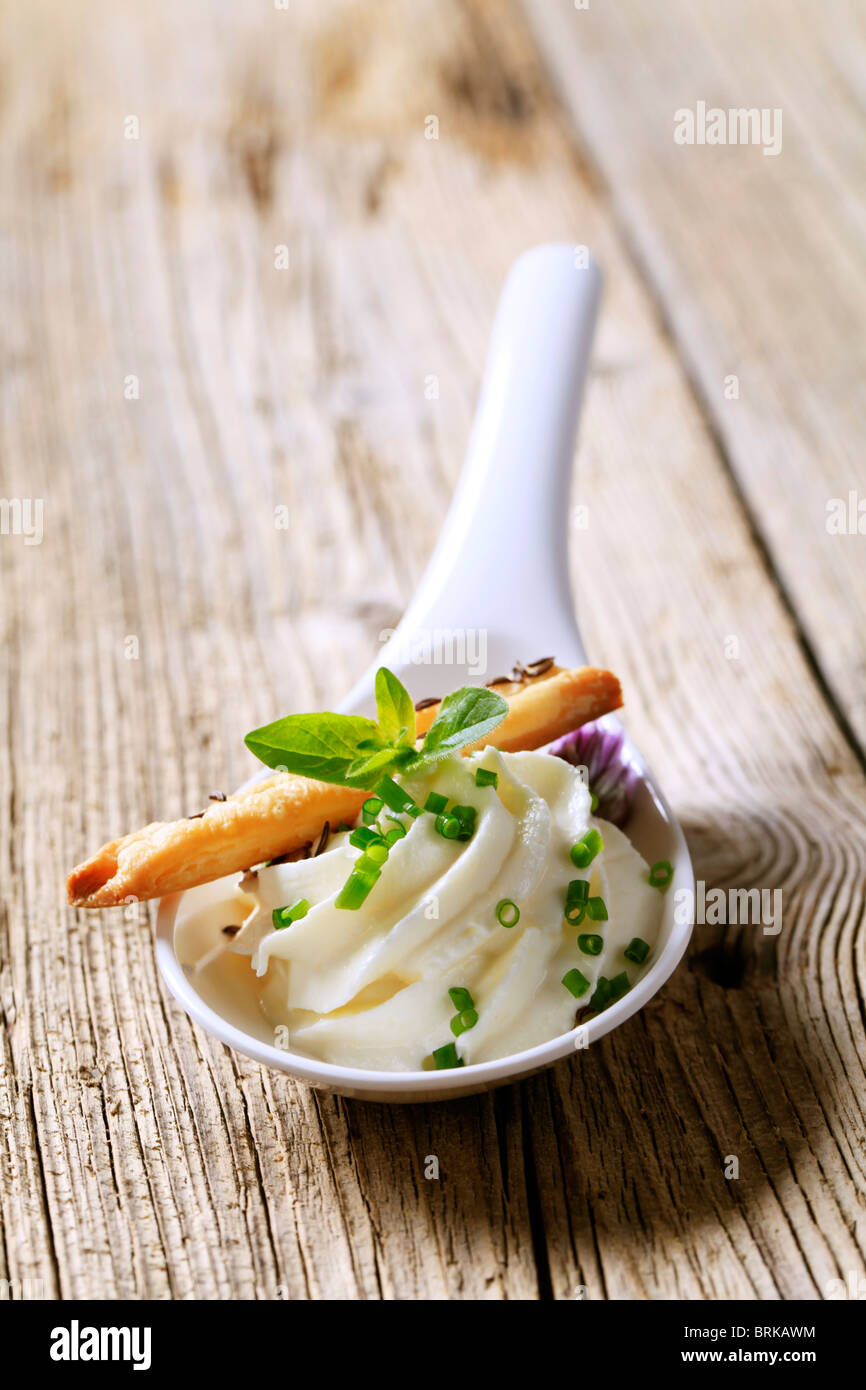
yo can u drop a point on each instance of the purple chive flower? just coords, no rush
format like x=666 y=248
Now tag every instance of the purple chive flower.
x=610 y=776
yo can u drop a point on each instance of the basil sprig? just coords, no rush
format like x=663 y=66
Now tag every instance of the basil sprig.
x=357 y=752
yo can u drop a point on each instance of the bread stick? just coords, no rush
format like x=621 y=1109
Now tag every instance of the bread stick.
x=548 y=707
x=284 y=812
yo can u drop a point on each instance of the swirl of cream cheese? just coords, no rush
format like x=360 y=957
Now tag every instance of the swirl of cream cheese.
x=369 y=988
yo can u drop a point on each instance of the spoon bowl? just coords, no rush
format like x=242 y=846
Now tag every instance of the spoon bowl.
x=496 y=590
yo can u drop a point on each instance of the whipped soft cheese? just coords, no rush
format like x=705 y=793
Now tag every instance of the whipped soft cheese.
x=369 y=987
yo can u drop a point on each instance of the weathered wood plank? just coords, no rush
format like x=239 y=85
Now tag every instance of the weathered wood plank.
x=756 y=261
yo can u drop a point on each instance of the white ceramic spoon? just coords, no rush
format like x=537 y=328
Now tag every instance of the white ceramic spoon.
x=500 y=570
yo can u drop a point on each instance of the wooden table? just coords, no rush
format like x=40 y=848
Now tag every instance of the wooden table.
x=167 y=386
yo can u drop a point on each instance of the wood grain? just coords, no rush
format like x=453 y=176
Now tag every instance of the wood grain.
x=138 y=1158
x=756 y=262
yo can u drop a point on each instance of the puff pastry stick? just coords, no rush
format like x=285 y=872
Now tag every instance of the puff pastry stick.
x=283 y=812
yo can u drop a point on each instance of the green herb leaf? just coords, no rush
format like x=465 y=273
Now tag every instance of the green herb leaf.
x=394 y=708
x=464 y=717
x=355 y=752
x=324 y=746
x=366 y=771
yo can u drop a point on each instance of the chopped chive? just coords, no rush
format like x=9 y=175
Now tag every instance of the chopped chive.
x=597 y=909
x=371 y=808
x=601 y=995
x=446 y=1057
x=398 y=833
x=485 y=778
x=507 y=913
x=435 y=803
x=461 y=1023
x=362 y=837
x=587 y=847
x=661 y=873
x=590 y=944
x=395 y=796
x=369 y=865
x=637 y=950
x=576 y=895
x=376 y=854
x=619 y=986
x=593 y=802
x=576 y=983
x=466 y=816
x=461 y=998
x=608 y=991
x=448 y=827
x=285 y=916
x=354 y=891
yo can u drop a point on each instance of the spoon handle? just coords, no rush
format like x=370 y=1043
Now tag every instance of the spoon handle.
x=501 y=562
